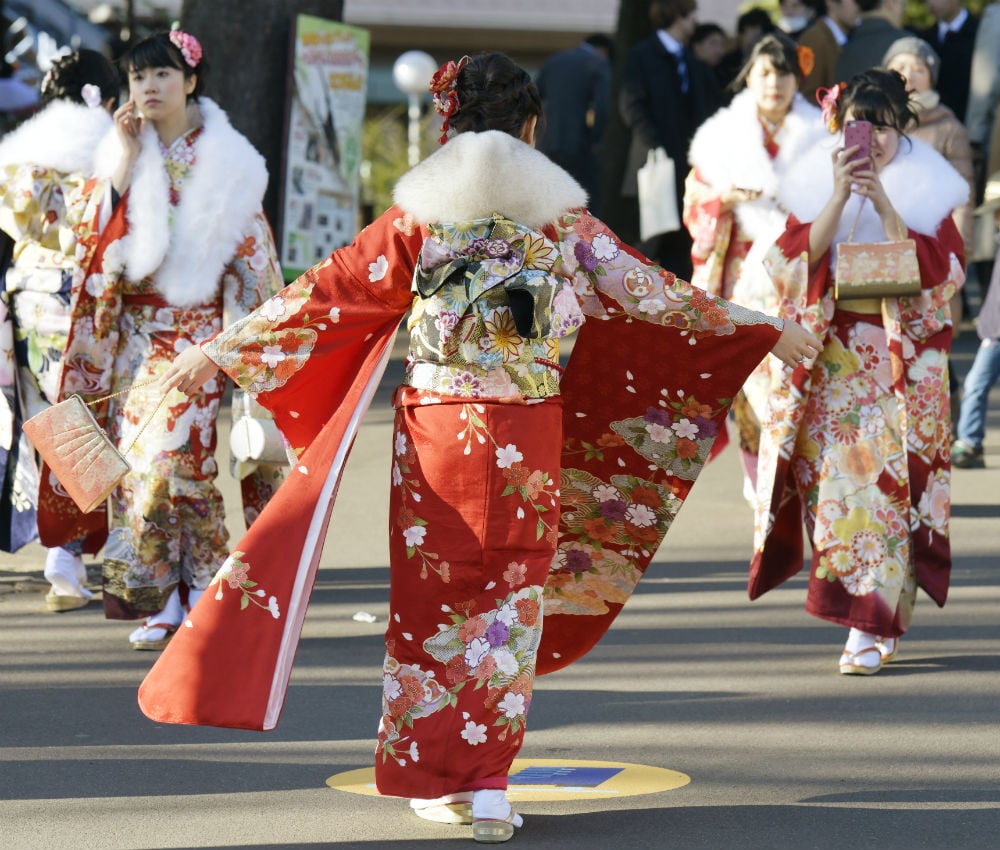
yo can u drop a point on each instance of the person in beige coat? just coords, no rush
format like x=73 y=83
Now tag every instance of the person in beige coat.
x=918 y=63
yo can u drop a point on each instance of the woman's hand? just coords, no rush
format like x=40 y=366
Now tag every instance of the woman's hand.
x=735 y=195
x=868 y=185
x=824 y=226
x=845 y=171
x=190 y=369
x=128 y=125
x=796 y=346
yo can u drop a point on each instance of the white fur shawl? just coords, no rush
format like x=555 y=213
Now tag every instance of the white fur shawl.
x=63 y=137
x=922 y=185
x=476 y=174
x=219 y=199
x=728 y=150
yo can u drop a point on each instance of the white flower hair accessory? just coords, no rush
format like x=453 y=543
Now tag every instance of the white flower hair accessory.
x=91 y=95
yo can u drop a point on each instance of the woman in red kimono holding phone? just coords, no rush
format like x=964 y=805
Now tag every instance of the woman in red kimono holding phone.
x=856 y=441
x=517 y=489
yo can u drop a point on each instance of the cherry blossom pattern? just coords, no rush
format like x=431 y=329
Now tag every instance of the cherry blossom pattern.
x=676 y=435
x=494 y=650
x=410 y=525
x=234 y=574
x=536 y=487
x=408 y=693
x=276 y=352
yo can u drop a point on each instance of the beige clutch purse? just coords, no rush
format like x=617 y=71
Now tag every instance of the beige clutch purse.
x=78 y=451
x=876 y=269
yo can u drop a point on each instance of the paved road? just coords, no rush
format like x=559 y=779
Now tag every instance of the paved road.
x=742 y=697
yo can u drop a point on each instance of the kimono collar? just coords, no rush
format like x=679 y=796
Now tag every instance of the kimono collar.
x=477 y=174
x=186 y=249
x=63 y=137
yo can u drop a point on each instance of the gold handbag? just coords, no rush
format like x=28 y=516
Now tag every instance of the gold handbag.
x=875 y=269
x=78 y=451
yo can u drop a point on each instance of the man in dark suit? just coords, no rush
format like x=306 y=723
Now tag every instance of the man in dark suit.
x=953 y=37
x=871 y=38
x=575 y=86
x=666 y=94
x=826 y=38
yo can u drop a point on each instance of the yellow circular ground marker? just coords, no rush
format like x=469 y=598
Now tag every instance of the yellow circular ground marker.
x=542 y=780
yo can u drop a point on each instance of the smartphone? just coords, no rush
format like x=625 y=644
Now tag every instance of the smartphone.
x=858 y=133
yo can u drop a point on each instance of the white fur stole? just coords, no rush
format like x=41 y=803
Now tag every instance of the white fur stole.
x=222 y=194
x=476 y=174
x=63 y=137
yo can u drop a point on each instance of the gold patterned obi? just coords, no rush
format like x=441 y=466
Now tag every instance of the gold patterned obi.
x=490 y=306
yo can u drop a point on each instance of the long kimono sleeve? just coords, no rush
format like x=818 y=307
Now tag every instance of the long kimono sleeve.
x=711 y=231
x=313 y=354
x=645 y=394
x=251 y=277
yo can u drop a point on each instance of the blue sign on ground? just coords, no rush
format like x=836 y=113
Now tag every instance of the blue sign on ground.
x=583 y=777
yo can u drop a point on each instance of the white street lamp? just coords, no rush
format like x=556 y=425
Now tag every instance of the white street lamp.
x=412 y=73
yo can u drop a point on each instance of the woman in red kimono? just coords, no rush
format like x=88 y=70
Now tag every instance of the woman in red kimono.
x=731 y=206
x=856 y=441
x=511 y=481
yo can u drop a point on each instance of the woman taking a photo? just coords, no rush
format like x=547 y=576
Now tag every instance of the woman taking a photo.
x=856 y=440
x=175 y=241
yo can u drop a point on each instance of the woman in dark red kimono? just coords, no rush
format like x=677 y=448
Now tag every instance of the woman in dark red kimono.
x=515 y=487
x=856 y=442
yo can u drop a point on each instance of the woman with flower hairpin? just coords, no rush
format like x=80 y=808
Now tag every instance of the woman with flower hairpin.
x=44 y=164
x=730 y=200
x=855 y=442
x=174 y=242
x=512 y=482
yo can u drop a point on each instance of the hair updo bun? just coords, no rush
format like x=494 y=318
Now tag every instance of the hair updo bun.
x=69 y=74
x=494 y=93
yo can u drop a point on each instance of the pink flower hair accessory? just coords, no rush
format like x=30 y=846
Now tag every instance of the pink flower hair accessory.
x=442 y=87
x=188 y=45
x=827 y=100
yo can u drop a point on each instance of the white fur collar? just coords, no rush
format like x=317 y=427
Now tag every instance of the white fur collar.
x=923 y=187
x=63 y=137
x=219 y=199
x=728 y=149
x=476 y=174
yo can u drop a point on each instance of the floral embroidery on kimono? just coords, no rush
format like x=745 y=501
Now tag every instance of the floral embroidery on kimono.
x=43 y=166
x=166 y=517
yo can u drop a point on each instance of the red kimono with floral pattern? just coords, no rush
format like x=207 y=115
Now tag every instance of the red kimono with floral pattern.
x=505 y=510
x=857 y=444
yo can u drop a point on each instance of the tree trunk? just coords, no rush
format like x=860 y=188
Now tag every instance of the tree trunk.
x=621 y=214
x=247 y=45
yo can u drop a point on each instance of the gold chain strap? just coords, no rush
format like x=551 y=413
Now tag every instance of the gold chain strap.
x=124 y=390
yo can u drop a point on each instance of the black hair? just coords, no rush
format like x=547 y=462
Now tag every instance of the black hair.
x=867 y=6
x=663 y=13
x=158 y=51
x=780 y=49
x=69 y=74
x=494 y=93
x=602 y=42
x=755 y=18
x=703 y=31
x=880 y=97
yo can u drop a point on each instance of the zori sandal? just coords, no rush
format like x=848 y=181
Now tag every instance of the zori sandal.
x=858 y=663
x=151 y=636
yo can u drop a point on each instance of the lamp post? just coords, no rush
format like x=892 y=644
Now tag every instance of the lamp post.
x=412 y=73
